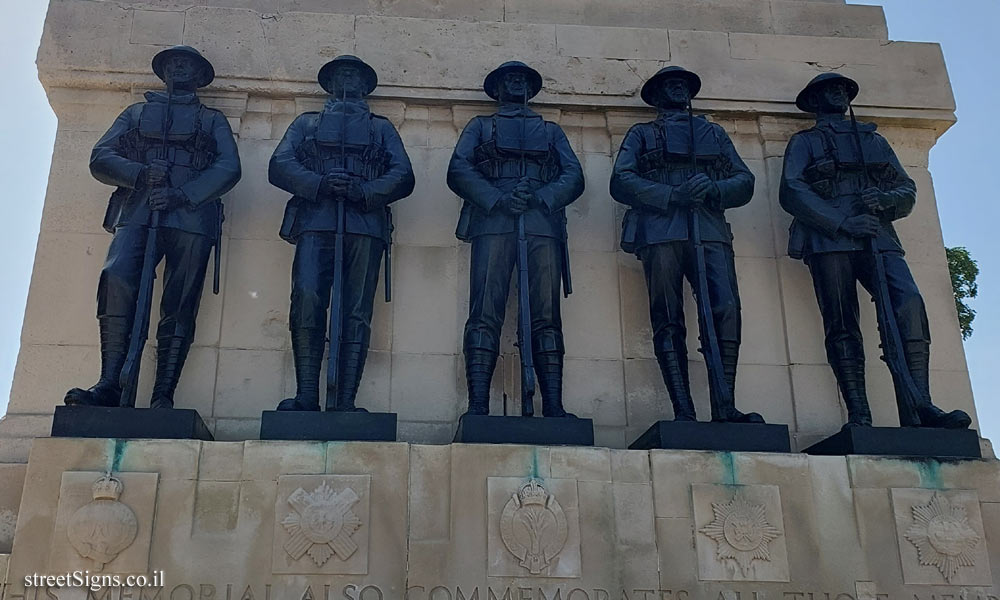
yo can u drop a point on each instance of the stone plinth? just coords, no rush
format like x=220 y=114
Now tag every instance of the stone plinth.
x=552 y=431
x=396 y=521
x=696 y=435
x=328 y=426
x=129 y=423
x=901 y=441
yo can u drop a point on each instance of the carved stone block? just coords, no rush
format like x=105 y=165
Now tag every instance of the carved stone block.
x=941 y=537
x=321 y=524
x=739 y=533
x=534 y=527
x=103 y=524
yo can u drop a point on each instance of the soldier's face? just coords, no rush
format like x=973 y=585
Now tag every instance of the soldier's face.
x=181 y=70
x=833 y=97
x=514 y=86
x=347 y=81
x=675 y=92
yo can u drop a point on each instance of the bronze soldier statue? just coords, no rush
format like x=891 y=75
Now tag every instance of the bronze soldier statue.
x=171 y=158
x=344 y=166
x=516 y=174
x=678 y=174
x=844 y=187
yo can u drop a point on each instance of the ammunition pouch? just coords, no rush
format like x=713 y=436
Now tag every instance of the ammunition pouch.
x=666 y=155
x=835 y=169
x=515 y=141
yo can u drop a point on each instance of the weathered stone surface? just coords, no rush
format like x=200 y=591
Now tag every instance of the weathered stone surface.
x=157 y=28
x=435 y=517
x=11 y=485
x=607 y=42
x=828 y=19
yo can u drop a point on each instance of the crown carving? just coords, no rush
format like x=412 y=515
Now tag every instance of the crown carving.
x=107 y=488
x=532 y=493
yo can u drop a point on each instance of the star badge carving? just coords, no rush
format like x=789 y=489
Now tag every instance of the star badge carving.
x=741 y=532
x=321 y=524
x=533 y=527
x=943 y=536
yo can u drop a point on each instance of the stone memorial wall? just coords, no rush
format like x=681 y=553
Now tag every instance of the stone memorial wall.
x=241 y=519
x=363 y=521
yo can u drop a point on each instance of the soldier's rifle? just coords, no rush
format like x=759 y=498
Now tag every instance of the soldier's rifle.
x=128 y=380
x=907 y=393
x=719 y=392
x=337 y=291
x=523 y=297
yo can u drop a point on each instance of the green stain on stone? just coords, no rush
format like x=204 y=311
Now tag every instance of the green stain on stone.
x=119 y=453
x=728 y=467
x=534 y=463
x=327 y=448
x=930 y=473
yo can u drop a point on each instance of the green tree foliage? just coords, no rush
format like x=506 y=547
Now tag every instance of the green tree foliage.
x=964 y=271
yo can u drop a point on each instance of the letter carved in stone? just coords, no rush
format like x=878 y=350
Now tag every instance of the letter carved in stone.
x=101 y=529
x=321 y=524
x=533 y=527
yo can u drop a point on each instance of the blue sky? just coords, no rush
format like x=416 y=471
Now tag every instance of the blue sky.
x=960 y=164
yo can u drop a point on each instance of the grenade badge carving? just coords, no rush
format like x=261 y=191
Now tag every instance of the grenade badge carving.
x=101 y=529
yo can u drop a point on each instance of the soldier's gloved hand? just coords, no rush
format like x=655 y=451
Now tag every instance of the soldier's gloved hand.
x=700 y=186
x=528 y=197
x=156 y=173
x=327 y=187
x=351 y=190
x=684 y=194
x=346 y=186
x=861 y=226
x=166 y=198
x=513 y=204
x=872 y=199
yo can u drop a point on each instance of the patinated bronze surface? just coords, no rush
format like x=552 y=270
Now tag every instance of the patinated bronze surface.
x=678 y=175
x=344 y=166
x=170 y=159
x=516 y=174
x=844 y=187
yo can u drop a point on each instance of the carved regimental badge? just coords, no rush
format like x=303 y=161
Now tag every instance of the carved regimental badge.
x=321 y=524
x=741 y=532
x=101 y=529
x=943 y=537
x=533 y=527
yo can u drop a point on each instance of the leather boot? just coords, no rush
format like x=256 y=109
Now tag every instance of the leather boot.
x=918 y=358
x=352 y=365
x=674 y=369
x=171 y=352
x=114 y=348
x=730 y=354
x=851 y=379
x=307 y=351
x=479 y=366
x=549 y=369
